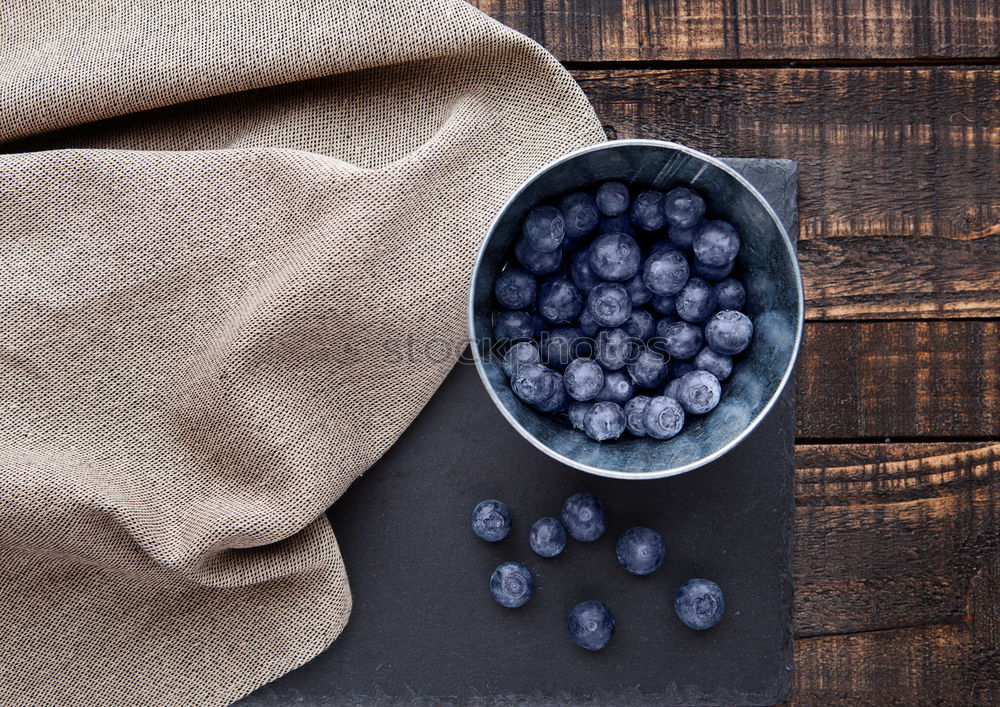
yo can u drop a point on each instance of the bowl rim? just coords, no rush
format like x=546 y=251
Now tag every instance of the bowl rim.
x=789 y=369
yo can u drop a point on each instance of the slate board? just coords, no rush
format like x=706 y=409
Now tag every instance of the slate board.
x=425 y=630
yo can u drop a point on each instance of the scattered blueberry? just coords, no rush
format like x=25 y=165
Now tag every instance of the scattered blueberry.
x=699 y=604
x=683 y=207
x=559 y=302
x=640 y=325
x=680 y=339
x=579 y=214
x=615 y=257
x=613 y=348
x=560 y=346
x=608 y=303
x=695 y=302
x=698 y=392
x=583 y=379
x=638 y=293
x=663 y=417
x=729 y=332
x=719 y=365
x=647 y=210
x=604 y=421
x=716 y=243
x=711 y=272
x=591 y=625
x=583 y=515
x=511 y=584
x=648 y=369
x=618 y=388
x=665 y=304
x=544 y=228
x=547 y=537
x=514 y=326
x=491 y=520
x=516 y=288
x=581 y=273
x=633 y=410
x=640 y=551
x=533 y=383
x=665 y=272
x=612 y=198
x=518 y=353
x=537 y=261
x=576 y=412
x=730 y=294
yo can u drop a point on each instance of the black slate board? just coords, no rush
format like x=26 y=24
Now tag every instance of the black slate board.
x=425 y=630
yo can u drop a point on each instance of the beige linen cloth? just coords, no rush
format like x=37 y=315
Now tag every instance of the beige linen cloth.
x=203 y=322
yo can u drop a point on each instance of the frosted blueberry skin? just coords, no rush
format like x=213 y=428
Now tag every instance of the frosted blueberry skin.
x=588 y=325
x=615 y=257
x=613 y=198
x=648 y=369
x=579 y=214
x=512 y=584
x=663 y=417
x=547 y=537
x=613 y=349
x=560 y=346
x=638 y=293
x=698 y=392
x=647 y=210
x=640 y=551
x=559 y=302
x=683 y=208
x=581 y=273
x=710 y=272
x=719 y=365
x=665 y=304
x=583 y=514
x=665 y=271
x=670 y=390
x=633 y=410
x=576 y=413
x=514 y=326
x=716 y=243
x=699 y=604
x=729 y=332
x=583 y=379
x=640 y=325
x=537 y=261
x=519 y=353
x=591 y=625
x=533 y=383
x=491 y=520
x=608 y=303
x=618 y=388
x=544 y=228
x=516 y=288
x=557 y=399
x=680 y=339
x=696 y=301
x=618 y=224
x=730 y=294
x=602 y=422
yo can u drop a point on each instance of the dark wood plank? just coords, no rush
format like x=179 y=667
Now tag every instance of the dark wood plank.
x=668 y=30
x=897 y=574
x=908 y=379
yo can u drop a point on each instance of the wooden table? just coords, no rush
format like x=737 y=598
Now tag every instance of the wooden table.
x=893 y=111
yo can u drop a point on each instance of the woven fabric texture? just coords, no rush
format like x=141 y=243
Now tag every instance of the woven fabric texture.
x=235 y=244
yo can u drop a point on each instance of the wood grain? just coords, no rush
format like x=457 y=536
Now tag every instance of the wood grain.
x=938 y=379
x=668 y=30
x=897 y=571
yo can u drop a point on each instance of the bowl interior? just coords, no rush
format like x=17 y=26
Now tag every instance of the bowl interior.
x=774 y=303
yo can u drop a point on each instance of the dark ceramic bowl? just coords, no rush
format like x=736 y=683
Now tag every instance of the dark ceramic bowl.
x=774 y=303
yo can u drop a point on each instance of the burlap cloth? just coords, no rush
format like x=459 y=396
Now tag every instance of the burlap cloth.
x=207 y=331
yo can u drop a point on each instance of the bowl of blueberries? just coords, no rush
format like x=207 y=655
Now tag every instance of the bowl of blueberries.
x=636 y=309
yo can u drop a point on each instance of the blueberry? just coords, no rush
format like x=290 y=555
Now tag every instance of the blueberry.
x=544 y=228
x=661 y=246
x=729 y=332
x=639 y=325
x=511 y=584
x=491 y=520
x=583 y=379
x=647 y=210
x=618 y=388
x=716 y=243
x=512 y=326
x=612 y=198
x=618 y=224
x=615 y=257
x=680 y=339
x=683 y=207
x=519 y=353
x=663 y=417
x=537 y=261
x=604 y=421
x=710 y=272
x=699 y=604
x=591 y=625
x=638 y=293
x=665 y=304
x=680 y=367
x=670 y=389
x=665 y=271
x=583 y=515
x=579 y=214
x=719 y=365
x=698 y=392
x=633 y=410
x=696 y=301
x=614 y=348
x=516 y=288
x=581 y=273
x=533 y=383
x=547 y=537
x=608 y=303
x=560 y=346
x=557 y=399
x=588 y=325
x=559 y=302
x=640 y=551
x=648 y=369
x=731 y=294
x=576 y=412
x=682 y=238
